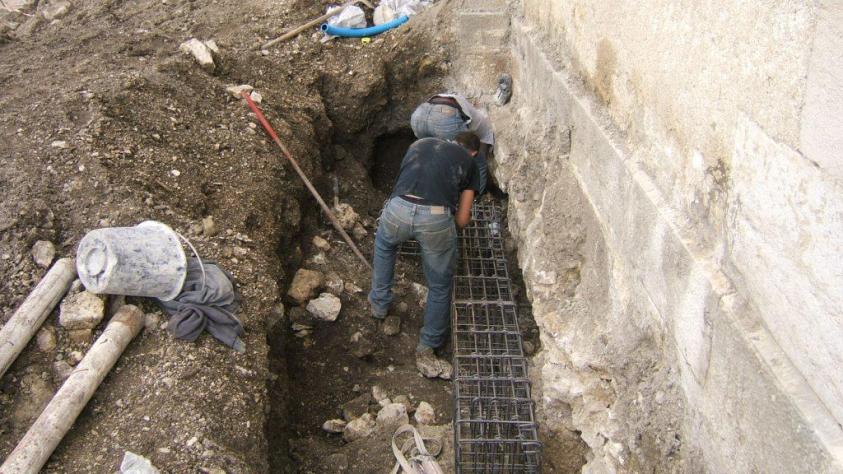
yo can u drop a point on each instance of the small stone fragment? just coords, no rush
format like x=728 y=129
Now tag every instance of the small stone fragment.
x=359 y=428
x=391 y=325
x=321 y=243
x=235 y=91
x=56 y=9
x=334 y=426
x=43 y=252
x=326 y=308
x=305 y=283
x=352 y=288
x=201 y=52
x=334 y=283
x=404 y=400
x=359 y=232
x=346 y=216
x=256 y=97
x=529 y=348
x=209 y=228
x=75 y=357
x=135 y=464
x=402 y=308
x=421 y=292
x=59 y=144
x=46 y=339
x=378 y=393
x=425 y=414
x=83 y=310
x=393 y=416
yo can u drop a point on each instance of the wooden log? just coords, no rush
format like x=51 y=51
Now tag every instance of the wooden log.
x=310 y=24
x=41 y=440
x=17 y=332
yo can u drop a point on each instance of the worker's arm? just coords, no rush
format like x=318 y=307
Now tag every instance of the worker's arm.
x=463 y=216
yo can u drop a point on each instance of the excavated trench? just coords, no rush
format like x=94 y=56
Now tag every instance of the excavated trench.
x=326 y=370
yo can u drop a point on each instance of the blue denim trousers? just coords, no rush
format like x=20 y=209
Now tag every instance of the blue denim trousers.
x=436 y=120
x=433 y=227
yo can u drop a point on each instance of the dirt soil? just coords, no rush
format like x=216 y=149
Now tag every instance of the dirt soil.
x=105 y=123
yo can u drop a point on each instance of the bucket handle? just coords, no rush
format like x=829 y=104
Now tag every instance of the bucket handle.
x=201 y=265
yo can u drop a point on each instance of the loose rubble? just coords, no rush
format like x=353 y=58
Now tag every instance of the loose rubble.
x=359 y=428
x=326 y=307
x=83 y=310
x=201 y=51
x=425 y=414
x=334 y=426
x=346 y=216
x=392 y=416
x=304 y=285
x=43 y=253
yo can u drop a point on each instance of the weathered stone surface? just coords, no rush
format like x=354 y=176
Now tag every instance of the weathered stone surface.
x=200 y=52
x=326 y=307
x=43 y=252
x=304 y=285
x=84 y=310
x=425 y=414
x=404 y=400
x=359 y=428
x=392 y=416
x=346 y=216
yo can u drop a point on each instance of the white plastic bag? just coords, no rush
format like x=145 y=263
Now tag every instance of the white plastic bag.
x=406 y=7
x=351 y=17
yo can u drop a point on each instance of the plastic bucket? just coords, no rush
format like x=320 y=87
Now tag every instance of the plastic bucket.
x=145 y=260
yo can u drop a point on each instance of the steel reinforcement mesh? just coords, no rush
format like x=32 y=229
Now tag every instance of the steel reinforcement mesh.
x=494 y=420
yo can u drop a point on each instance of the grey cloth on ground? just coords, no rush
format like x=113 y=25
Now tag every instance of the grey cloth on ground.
x=206 y=302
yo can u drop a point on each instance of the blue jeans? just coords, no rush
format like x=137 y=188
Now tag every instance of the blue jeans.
x=436 y=120
x=433 y=227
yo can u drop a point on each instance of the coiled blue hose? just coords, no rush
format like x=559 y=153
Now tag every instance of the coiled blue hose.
x=363 y=32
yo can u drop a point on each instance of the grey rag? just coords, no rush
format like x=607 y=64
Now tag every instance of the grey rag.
x=206 y=302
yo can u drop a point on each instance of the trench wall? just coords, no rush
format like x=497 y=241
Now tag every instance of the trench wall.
x=675 y=186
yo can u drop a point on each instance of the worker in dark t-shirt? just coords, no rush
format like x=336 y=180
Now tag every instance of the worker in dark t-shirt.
x=432 y=198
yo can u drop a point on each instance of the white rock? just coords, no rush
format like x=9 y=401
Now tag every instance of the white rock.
x=59 y=144
x=378 y=393
x=352 y=288
x=359 y=428
x=201 y=52
x=135 y=464
x=84 y=310
x=212 y=45
x=326 y=307
x=393 y=415
x=425 y=414
x=56 y=9
x=237 y=90
x=334 y=426
x=43 y=252
x=384 y=402
x=256 y=97
x=46 y=339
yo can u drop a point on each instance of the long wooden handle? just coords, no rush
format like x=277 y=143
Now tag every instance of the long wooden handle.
x=55 y=421
x=313 y=191
x=20 y=328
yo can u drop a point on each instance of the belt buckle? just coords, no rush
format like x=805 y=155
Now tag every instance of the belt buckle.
x=437 y=209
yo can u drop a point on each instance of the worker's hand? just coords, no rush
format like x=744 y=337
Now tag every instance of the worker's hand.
x=463 y=216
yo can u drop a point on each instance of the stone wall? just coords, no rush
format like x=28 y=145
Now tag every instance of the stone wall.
x=674 y=180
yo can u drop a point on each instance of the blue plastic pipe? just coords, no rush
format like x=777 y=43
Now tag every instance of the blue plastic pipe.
x=363 y=32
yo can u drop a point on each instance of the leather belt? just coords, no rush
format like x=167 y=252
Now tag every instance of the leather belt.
x=450 y=102
x=416 y=200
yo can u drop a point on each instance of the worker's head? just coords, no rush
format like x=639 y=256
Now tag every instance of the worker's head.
x=470 y=141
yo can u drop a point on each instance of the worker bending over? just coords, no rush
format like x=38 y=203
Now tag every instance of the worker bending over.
x=432 y=199
x=446 y=115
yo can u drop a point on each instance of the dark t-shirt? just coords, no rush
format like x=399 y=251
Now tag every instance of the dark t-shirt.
x=437 y=171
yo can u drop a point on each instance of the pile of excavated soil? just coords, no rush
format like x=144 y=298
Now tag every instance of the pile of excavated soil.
x=105 y=123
